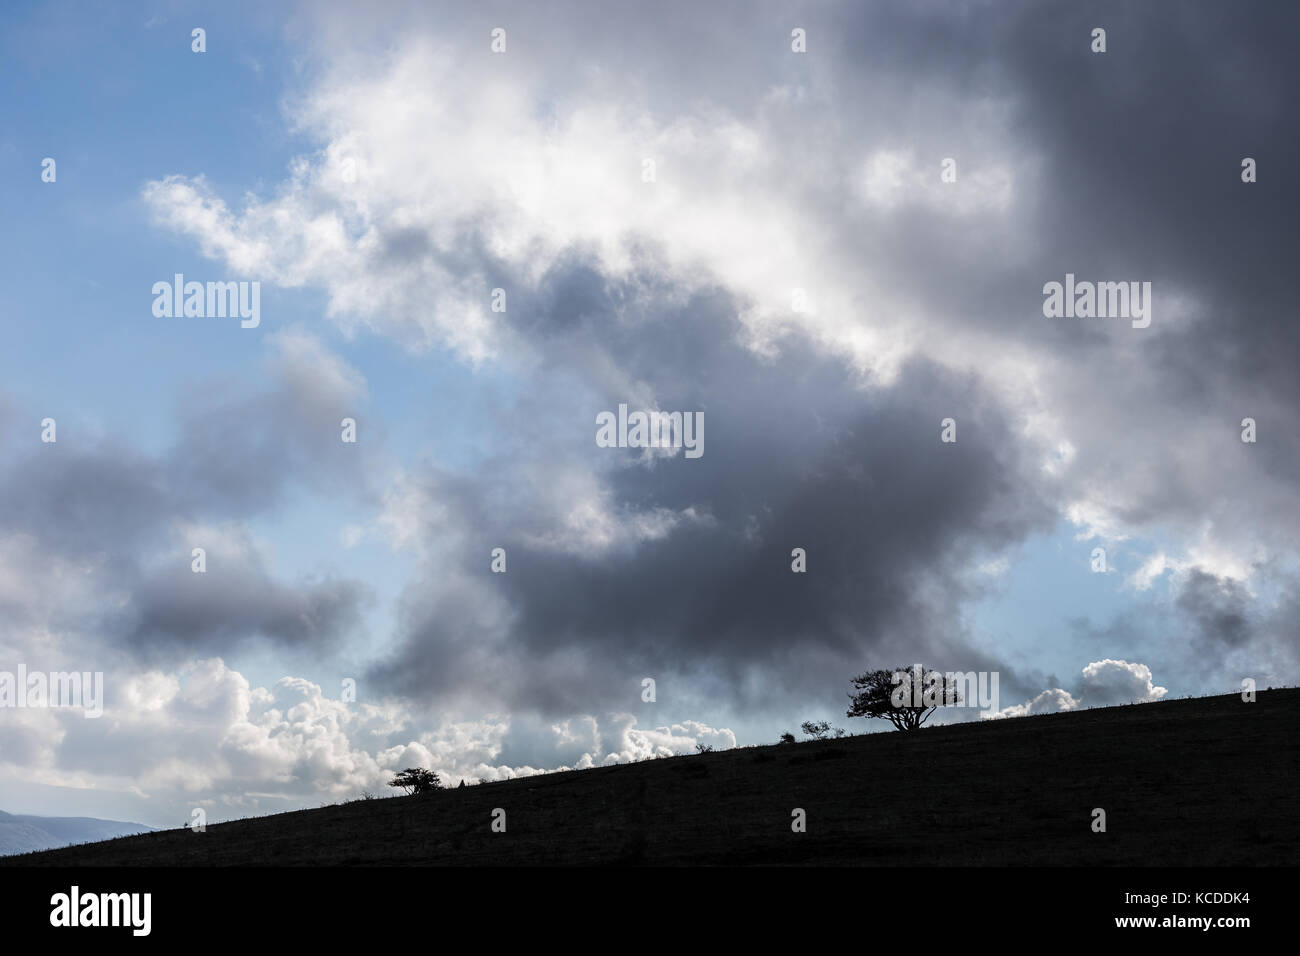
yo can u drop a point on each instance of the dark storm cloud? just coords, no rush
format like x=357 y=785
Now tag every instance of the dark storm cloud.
x=1140 y=154
x=1146 y=145
x=1223 y=621
x=1191 y=91
x=179 y=611
x=106 y=505
x=797 y=455
x=1219 y=610
x=97 y=498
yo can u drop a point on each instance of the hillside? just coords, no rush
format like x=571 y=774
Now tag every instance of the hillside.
x=1209 y=781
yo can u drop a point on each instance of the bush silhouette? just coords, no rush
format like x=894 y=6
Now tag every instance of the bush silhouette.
x=416 y=780
x=815 y=729
x=905 y=697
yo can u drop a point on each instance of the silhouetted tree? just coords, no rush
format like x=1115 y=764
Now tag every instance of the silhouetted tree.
x=816 y=729
x=416 y=780
x=704 y=748
x=787 y=738
x=905 y=697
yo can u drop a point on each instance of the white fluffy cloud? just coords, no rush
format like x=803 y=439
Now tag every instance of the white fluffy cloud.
x=204 y=737
x=1110 y=682
x=381 y=216
x=1105 y=683
x=1050 y=701
x=626 y=742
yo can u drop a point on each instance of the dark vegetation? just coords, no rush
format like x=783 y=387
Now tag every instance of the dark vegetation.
x=414 y=780
x=1208 y=781
x=876 y=691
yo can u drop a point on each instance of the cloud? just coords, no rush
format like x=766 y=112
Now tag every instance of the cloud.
x=203 y=736
x=113 y=527
x=631 y=743
x=408 y=238
x=1051 y=701
x=237 y=597
x=1111 y=682
x=676 y=290
x=1106 y=683
x=686 y=579
x=1152 y=568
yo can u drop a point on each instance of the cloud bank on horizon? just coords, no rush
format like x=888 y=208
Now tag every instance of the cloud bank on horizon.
x=472 y=254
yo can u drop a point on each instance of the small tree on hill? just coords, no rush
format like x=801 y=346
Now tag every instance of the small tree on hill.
x=416 y=780
x=816 y=729
x=906 y=697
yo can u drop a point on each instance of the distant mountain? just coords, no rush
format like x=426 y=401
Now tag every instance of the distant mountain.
x=22 y=834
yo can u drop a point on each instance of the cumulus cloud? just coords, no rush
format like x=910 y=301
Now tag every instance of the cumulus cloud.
x=1051 y=701
x=1118 y=682
x=203 y=736
x=626 y=742
x=1105 y=683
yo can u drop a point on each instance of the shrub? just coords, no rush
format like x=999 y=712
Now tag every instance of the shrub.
x=816 y=729
x=416 y=780
x=903 y=697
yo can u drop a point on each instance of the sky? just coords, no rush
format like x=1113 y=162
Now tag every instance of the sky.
x=826 y=229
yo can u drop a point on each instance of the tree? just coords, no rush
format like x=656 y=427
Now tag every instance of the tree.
x=787 y=738
x=905 y=697
x=816 y=729
x=416 y=780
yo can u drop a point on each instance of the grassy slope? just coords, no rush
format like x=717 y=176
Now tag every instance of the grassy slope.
x=1206 y=781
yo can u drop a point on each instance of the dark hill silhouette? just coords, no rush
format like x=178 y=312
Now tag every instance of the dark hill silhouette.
x=1208 y=781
